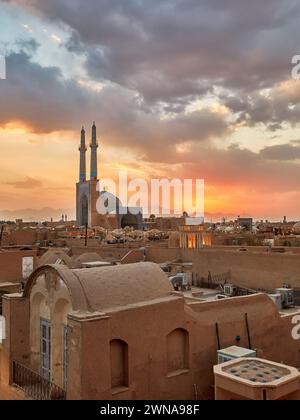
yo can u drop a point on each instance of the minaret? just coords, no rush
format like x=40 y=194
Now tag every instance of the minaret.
x=94 y=147
x=82 y=149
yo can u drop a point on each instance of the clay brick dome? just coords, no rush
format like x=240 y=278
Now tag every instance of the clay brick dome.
x=102 y=288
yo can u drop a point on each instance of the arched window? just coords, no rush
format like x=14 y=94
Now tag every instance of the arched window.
x=39 y=310
x=178 y=350
x=119 y=364
x=59 y=342
x=49 y=308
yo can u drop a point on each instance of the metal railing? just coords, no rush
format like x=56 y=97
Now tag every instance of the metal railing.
x=213 y=282
x=34 y=385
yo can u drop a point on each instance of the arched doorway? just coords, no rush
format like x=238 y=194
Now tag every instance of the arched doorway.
x=84 y=211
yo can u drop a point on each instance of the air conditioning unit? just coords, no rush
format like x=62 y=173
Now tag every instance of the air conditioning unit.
x=234 y=352
x=179 y=280
x=287 y=297
x=230 y=290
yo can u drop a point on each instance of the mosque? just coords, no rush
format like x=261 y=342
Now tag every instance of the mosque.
x=87 y=194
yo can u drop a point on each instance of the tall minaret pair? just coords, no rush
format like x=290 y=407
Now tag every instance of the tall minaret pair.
x=94 y=147
x=83 y=150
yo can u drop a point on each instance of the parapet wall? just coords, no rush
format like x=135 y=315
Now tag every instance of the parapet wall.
x=11 y=264
x=262 y=270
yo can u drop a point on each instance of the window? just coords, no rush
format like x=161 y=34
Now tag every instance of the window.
x=60 y=261
x=27 y=267
x=45 y=342
x=178 y=351
x=119 y=364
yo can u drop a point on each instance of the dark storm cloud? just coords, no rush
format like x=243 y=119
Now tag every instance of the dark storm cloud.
x=42 y=99
x=176 y=48
x=39 y=97
x=281 y=104
x=162 y=55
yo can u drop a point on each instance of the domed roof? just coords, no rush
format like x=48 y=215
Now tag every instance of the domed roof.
x=88 y=257
x=54 y=256
x=122 y=285
x=100 y=289
x=296 y=228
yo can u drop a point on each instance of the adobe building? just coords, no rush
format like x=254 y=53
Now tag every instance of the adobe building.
x=34 y=234
x=17 y=264
x=121 y=332
x=87 y=194
x=252 y=268
x=290 y=240
x=57 y=256
x=245 y=223
x=194 y=237
x=256 y=379
x=168 y=223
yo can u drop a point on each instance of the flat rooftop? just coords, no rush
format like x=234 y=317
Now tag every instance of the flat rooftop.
x=290 y=311
x=95 y=264
x=208 y=295
x=201 y=294
x=236 y=352
x=257 y=371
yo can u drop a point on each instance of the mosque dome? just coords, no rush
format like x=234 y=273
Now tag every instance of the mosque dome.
x=296 y=228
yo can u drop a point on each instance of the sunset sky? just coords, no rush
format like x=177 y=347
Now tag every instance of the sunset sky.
x=178 y=88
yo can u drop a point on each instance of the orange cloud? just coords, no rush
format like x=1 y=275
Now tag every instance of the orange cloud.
x=28 y=184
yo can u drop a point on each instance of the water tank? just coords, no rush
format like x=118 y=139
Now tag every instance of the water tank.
x=287 y=297
x=234 y=352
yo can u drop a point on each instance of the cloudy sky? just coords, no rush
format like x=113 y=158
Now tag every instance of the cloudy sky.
x=188 y=88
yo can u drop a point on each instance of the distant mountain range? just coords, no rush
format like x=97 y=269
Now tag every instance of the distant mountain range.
x=36 y=215
x=46 y=213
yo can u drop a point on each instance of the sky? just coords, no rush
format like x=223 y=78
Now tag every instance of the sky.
x=178 y=88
